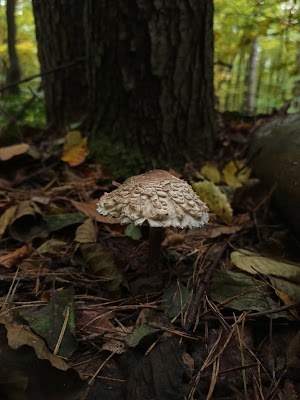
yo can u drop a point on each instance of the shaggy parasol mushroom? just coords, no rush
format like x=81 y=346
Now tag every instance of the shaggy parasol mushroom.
x=159 y=198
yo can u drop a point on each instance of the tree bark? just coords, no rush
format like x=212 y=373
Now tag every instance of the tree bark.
x=60 y=37
x=149 y=74
x=13 y=73
x=150 y=68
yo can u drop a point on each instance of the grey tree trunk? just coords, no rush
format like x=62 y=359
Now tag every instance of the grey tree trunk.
x=13 y=73
x=61 y=47
x=150 y=66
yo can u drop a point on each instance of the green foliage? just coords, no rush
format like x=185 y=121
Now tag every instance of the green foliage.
x=26 y=41
x=275 y=26
x=28 y=107
x=116 y=156
x=24 y=109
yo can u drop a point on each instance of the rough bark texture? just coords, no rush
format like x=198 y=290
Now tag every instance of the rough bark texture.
x=13 y=72
x=151 y=80
x=277 y=162
x=60 y=37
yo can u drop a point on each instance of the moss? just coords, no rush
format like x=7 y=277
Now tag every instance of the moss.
x=119 y=159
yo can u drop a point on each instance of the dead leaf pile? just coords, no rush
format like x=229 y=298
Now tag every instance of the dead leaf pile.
x=79 y=310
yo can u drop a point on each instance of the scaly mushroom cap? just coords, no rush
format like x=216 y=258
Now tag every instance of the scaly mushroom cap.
x=157 y=197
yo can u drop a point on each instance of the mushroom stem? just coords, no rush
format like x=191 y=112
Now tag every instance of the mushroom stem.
x=155 y=239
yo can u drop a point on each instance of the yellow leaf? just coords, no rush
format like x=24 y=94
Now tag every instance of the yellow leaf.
x=75 y=149
x=211 y=173
x=215 y=199
x=287 y=301
x=235 y=173
x=255 y=263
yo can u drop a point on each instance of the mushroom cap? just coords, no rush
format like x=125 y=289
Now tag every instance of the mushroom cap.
x=157 y=197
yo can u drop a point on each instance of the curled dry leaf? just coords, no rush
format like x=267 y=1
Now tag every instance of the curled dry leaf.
x=11 y=259
x=28 y=223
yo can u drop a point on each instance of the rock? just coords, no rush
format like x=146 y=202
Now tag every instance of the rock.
x=276 y=151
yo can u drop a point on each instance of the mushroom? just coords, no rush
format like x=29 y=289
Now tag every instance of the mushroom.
x=161 y=200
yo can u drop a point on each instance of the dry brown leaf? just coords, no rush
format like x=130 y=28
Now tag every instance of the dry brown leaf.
x=6 y=153
x=28 y=223
x=287 y=301
x=20 y=335
x=88 y=208
x=91 y=321
x=86 y=232
x=10 y=259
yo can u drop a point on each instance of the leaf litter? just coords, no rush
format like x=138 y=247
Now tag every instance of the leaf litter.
x=77 y=301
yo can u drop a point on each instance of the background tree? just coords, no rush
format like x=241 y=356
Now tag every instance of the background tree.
x=61 y=48
x=150 y=76
x=13 y=72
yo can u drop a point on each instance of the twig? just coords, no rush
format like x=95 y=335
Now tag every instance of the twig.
x=49 y=71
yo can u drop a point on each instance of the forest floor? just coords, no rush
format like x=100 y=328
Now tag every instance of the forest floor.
x=81 y=319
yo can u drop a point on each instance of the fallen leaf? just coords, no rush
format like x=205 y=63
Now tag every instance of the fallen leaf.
x=94 y=322
x=86 y=232
x=60 y=307
x=210 y=172
x=89 y=208
x=236 y=173
x=255 y=263
x=140 y=333
x=133 y=231
x=19 y=335
x=29 y=371
x=75 y=149
x=101 y=263
x=288 y=292
x=28 y=223
x=6 y=219
x=10 y=259
x=51 y=246
x=8 y=152
x=55 y=222
x=247 y=292
x=217 y=201
x=175 y=299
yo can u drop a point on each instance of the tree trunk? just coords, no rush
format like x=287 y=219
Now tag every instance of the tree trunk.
x=251 y=81
x=61 y=47
x=150 y=66
x=13 y=73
